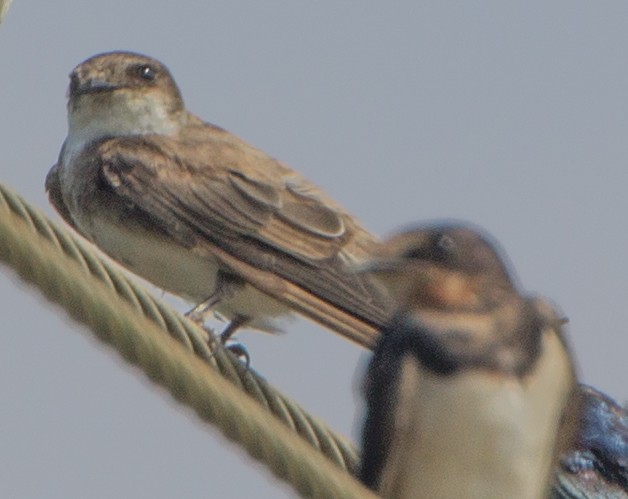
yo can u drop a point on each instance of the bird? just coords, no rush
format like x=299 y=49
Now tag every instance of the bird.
x=470 y=391
x=200 y=213
x=596 y=465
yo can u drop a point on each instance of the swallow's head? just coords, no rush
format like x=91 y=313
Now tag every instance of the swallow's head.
x=444 y=265
x=123 y=93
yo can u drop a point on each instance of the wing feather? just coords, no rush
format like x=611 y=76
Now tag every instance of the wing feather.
x=257 y=212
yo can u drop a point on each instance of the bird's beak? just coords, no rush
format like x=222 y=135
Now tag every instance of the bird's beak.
x=90 y=86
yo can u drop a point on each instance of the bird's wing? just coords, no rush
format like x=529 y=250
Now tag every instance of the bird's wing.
x=596 y=465
x=53 y=188
x=380 y=431
x=260 y=219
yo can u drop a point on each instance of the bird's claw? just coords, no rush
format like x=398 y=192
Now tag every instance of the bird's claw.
x=240 y=351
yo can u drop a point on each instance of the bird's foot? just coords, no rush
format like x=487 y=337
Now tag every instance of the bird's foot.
x=240 y=351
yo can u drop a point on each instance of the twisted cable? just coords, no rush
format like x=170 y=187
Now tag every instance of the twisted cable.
x=123 y=315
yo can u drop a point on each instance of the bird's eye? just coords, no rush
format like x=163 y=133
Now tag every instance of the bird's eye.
x=74 y=83
x=445 y=249
x=146 y=72
x=446 y=244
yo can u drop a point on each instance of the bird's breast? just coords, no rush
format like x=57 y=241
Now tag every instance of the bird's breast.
x=476 y=434
x=154 y=257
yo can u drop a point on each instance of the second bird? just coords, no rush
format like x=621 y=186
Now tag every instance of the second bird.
x=470 y=392
x=201 y=213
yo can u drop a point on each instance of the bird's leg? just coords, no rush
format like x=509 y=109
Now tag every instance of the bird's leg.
x=236 y=323
x=226 y=286
x=235 y=347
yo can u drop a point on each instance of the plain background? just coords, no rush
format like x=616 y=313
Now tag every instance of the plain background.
x=512 y=115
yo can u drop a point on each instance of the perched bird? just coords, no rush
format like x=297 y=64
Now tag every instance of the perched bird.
x=596 y=465
x=470 y=382
x=200 y=213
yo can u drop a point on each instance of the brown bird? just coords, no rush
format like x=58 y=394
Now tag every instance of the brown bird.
x=199 y=212
x=470 y=382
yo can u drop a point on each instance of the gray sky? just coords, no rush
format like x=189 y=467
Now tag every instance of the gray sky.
x=512 y=115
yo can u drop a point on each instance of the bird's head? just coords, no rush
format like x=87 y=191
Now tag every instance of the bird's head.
x=121 y=93
x=442 y=266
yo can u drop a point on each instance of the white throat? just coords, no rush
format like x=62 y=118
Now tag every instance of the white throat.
x=99 y=116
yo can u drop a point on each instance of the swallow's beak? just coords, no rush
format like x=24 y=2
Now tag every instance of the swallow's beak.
x=89 y=86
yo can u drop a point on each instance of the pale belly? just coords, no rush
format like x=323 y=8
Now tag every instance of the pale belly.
x=179 y=271
x=476 y=435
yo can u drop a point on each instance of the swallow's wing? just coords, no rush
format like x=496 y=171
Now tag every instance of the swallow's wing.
x=380 y=430
x=405 y=351
x=53 y=188
x=258 y=217
x=596 y=465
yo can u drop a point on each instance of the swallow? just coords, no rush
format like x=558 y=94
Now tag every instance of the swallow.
x=470 y=390
x=200 y=213
x=596 y=465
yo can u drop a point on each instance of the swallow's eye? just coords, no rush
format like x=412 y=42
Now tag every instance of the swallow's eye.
x=146 y=72
x=74 y=83
x=446 y=244
x=444 y=249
